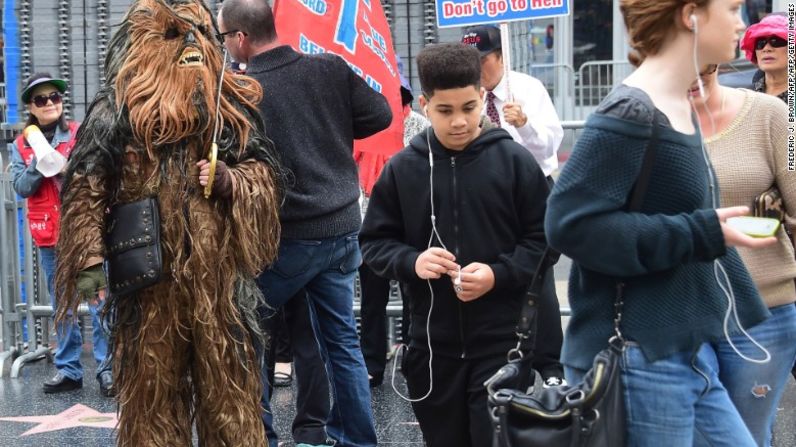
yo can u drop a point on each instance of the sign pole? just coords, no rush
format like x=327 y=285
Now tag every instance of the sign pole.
x=505 y=44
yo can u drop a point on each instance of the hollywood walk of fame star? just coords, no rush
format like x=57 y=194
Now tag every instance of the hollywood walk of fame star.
x=76 y=416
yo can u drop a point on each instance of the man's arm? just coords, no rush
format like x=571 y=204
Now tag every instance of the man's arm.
x=369 y=109
x=541 y=134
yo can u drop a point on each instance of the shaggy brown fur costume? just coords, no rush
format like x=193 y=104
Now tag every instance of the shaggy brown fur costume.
x=184 y=348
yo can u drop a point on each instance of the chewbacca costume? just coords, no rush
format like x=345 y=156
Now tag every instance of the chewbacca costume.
x=185 y=347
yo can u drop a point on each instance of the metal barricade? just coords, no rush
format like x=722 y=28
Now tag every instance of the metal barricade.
x=595 y=80
x=37 y=311
x=559 y=80
x=10 y=280
x=3 y=104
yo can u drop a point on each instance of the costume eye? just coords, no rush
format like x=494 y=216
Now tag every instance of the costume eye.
x=171 y=33
x=202 y=29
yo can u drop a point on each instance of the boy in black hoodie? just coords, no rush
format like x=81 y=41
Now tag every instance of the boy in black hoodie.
x=457 y=217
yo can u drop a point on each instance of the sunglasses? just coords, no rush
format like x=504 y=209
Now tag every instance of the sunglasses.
x=42 y=100
x=222 y=36
x=776 y=42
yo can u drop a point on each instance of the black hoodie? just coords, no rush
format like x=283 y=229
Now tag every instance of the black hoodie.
x=489 y=202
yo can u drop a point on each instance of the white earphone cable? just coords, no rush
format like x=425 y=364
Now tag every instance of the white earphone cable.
x=726 y=287
x=434 y=233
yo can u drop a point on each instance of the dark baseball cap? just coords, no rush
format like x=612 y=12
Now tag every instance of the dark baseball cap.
x=484 y=38
x=41 y=79
x=406 y=86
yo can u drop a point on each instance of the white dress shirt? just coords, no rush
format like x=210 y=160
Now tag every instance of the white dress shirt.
x=542 y=133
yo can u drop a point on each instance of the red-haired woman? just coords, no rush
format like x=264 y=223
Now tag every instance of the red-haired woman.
x=666 y=252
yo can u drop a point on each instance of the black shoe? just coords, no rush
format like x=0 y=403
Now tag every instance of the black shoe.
x=375 y=379
x=106 y=384
x=60 y=383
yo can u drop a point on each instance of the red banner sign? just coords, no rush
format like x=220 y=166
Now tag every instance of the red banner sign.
x=357 y=31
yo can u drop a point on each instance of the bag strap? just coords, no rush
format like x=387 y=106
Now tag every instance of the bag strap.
x=636 y=201
x=528 y=312
x=527 y=321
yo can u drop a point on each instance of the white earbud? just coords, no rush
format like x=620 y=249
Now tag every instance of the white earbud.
x=694 y=29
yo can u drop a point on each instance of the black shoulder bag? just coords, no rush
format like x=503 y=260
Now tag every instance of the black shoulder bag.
x=133 y=258
x=586 y=414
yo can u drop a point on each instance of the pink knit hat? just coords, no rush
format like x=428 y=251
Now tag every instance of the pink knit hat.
x=771 y=25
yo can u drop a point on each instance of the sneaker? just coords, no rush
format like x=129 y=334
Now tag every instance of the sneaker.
x=106 y=384
x=60 y=383
x=554 y=381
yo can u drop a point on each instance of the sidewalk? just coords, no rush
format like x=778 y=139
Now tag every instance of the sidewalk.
x=81 y=418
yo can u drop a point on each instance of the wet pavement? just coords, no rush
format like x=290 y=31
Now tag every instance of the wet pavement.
x=30 y=418
x=81 y=417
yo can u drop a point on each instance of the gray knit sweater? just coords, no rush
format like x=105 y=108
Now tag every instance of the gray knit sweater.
x=664 y=253
x=314 y=107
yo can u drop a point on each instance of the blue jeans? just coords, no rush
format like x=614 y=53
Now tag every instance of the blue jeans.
x=670 y=400
x=68 y=337
x=326 y=269
x=756 y=389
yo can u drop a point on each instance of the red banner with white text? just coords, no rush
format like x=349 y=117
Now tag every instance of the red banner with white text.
x=357 y=31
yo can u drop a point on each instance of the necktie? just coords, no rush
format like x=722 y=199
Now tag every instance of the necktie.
x=491 y=110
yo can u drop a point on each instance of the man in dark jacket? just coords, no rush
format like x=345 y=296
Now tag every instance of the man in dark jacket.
x=314 y=107
x=458 y=218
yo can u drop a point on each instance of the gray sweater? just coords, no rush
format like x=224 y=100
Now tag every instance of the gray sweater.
x=664 y=252
x=314 y=107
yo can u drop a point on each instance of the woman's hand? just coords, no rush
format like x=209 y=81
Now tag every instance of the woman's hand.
x=735 y=238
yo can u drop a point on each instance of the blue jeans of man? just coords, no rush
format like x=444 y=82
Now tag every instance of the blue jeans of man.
x=756 y=388
x=294 y=333
x=68 y=337
x=326 y=269
x=674 y=400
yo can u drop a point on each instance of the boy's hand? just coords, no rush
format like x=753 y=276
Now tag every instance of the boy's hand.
x=435 y=262
x=476 y=280
x=512 y=113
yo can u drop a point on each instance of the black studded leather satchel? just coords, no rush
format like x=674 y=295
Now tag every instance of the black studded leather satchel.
x=132 y=239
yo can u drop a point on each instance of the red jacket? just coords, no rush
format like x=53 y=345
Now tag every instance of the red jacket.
x=44 y=206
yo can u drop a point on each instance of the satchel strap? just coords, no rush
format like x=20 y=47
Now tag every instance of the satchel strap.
x=636 y=201
x=643 y=180
x=528 y=313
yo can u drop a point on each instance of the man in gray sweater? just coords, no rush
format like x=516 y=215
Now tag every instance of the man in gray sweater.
x=314 y=107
